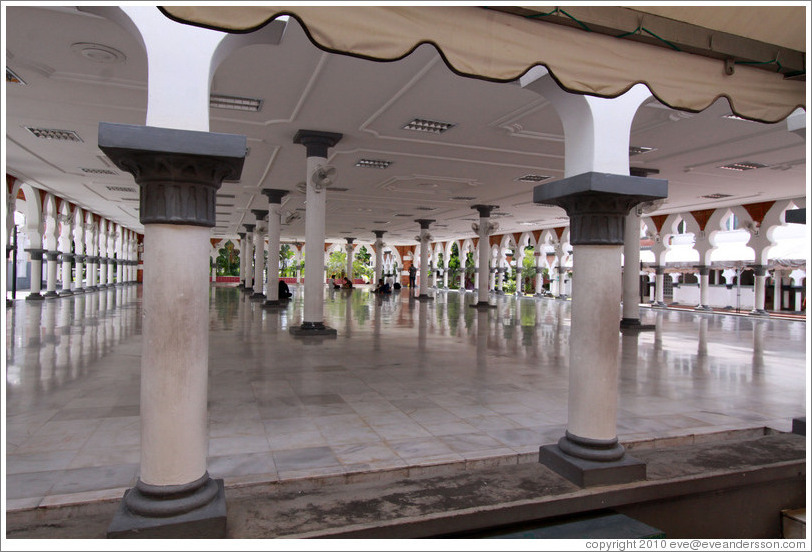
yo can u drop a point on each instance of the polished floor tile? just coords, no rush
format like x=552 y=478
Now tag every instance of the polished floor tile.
x=404 y=384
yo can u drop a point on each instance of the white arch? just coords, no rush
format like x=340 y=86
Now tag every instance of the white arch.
x=32 y=209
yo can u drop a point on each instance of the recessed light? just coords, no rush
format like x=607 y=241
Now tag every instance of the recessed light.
x=403 y=215
x=715 y=196
x=737 y=118
x=237 y=103
x=637 y=150
x=427 y=125
x=98 y=53
x=743 y=166
x=532 y=178
x=55 y=134
x=373 y=163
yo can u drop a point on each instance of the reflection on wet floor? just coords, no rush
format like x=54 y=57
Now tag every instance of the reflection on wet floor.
x=404 y=383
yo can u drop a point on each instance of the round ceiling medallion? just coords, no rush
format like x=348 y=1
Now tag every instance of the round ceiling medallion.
x=98 y=53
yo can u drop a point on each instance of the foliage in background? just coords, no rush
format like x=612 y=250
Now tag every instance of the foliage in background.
x=228 y=260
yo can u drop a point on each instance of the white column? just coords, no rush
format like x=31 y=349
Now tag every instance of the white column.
x=758 y=289
x=500 y=279
x=259 y=255
x=704 y=284
x=103 y=262
x=119 y=271
x=631 y=270
x=539 y=274
x=36 y=274
x=424 y=259
x=317 y=144
x=274 y=232
x=492 y=278
x=67 y=277
x=349 y=249
x=249 y=258
x=519 y=277
x=243 y=254
x=659 y=286
x=378 y=255
x=476 y=279
x=50 y=278
x=777 y=275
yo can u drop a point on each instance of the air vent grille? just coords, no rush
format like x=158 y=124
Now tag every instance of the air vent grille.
x=373 y=163
x=121 y=188
x=97 y=171
x=716 y=196
x=533 y=178
x=743 y=166
x=55 y=134
x=463 y=198
x=427 y=125
x=237 y=103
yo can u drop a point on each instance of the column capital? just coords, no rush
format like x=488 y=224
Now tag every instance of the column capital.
x=659 y=270
x=79 y=258
x=316 y=141
x=51 y=255
x=249 y=228
x=36 y=254
x=597 y=203
x=260 y=213
x=274 y=195
x=241 y=235
x=759 y=270
x=703 y=269
x=379 y=233
x=349 y=240
x=484 y=210
x=424 y=223
x=67 y=256
x=179 y=171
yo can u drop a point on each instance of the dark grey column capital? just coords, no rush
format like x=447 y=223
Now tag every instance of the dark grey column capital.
x=597 y=203
x=759 y=270
x=66 y=256
x=51 y=255
x=260 y=213
x=484 y=210
x=241 y=235
x=349 y=240
x=79 y=258
x=36 y=254
x=703 y=270
x=179 y=171
x=659 y=270
x=249 y=228
x=379 y=233
x=317 y=141
x=274 y=195
x=424 y=223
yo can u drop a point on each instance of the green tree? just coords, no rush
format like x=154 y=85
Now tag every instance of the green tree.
x=454 y=268
x=337 y=264
x=362 y=264
x=228 y=260
x=286 y=255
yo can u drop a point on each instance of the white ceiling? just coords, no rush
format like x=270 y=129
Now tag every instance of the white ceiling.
x=502 y=132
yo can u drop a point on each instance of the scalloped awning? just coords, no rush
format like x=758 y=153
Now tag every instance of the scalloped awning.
x=494 y=45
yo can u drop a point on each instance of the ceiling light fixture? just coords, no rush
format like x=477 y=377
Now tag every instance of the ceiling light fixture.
x=427 y=125
x=373 y=163
x=743 y=166
x=533 y=178
x=55 y=134
x=638 y=150
x=98 y=53
x=236 y=103
x=14 y=78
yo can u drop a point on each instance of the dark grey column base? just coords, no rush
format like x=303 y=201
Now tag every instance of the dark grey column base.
x=273 y=303
x=703 y=308
x=257 y=297
x=308 y=329
x=656 y=305
x=799 y=425
x=589 y=473
x=482 y=305
x=634 y=324
x=65 y=293
x=563 y=297
x=50 y=294
x=247 y=290
x=91 y=288
x=206 y=522
x=9 y=303
x=34 y=297
x=759 y=312
x=425 y=298
x=78 y=291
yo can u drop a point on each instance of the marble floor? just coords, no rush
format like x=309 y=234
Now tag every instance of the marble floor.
x=405 y=383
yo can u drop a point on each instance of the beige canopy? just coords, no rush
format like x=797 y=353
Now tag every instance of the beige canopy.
x=500 y=46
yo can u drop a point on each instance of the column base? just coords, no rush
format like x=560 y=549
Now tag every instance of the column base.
x=65 y=293
x=658 y=305
x=759 y=312
x=308 y=329
x=425 y=297
x=271 y=303
x=563 y=297
x=703 y=308
x=247 y=290
x=482 y=305
x=9 y=303
x=91 y=288
x=257 y=296
x=50 y=294
x=634 y=324
x=34 y=297
x=799 y=426
x=589 y=473
x=78 y=291
x=141 y=515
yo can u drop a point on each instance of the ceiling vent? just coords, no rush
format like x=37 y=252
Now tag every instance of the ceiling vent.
x=638 y=150
x=221 y=101
x=533 y=178
x=336 y=189
x=121 y=188
x=129 y=199
x=425 y=209
x=743 y=166
x=403 y=215
x=716 y=196
x=13 y=78
x=97 y=171
x=380 y=222
x=463 y=198
x=223 y=196
x=427 y=125
x=55 y=134
x=373 y=163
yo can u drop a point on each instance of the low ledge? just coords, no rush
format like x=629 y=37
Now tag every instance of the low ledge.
x=323 y=331
x=482 y=305
x=634 y=324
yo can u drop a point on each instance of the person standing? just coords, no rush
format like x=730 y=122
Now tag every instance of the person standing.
x=412 y=276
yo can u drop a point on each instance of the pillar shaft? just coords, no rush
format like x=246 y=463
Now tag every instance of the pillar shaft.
x=777 y=275
x=759 y=289
x=36 y=270
x=102 y=272
x=259 y=262
x=66 y=274
x=631 y=267
x=314 y=241
x=50 y=278
x=249 y=260
x=424 y=264
x=378 y=259
x=274 y=230
x=349 y=251
x=243 y=254
x=78 y=277
x=659 y=286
